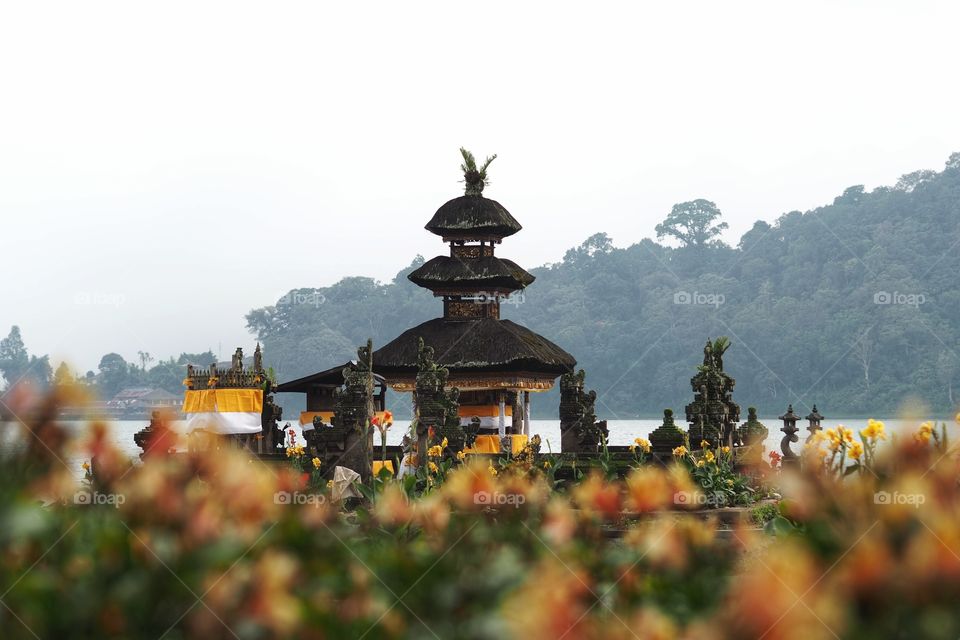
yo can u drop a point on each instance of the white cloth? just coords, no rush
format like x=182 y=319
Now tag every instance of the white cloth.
x=224 y=423
x=343 y=480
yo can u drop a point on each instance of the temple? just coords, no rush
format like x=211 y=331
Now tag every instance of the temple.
x=494 y=363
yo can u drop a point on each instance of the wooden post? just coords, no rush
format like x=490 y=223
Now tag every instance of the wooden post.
x=502 y=426
x=526 y=413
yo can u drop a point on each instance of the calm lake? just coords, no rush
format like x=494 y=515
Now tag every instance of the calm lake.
x=622 y=432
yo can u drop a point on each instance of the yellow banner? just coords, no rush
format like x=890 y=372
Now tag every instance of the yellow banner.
x=379 y=464
x=483 y=411
x=306 y=417
x=491 y=444
x=223 y=401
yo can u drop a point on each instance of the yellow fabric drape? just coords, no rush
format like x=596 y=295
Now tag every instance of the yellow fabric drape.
x=306 y=417
x=484 y=411
x=491 y=444
x=223 y=401
x=378 y=464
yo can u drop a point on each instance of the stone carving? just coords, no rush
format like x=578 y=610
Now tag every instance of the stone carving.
x=667 y=437
x=353 y=410
x=579 y=429
x=713 y=414
x=790 y=435
x=438 y=408
x=813 y=419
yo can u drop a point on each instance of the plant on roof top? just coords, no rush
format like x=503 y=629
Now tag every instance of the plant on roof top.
x=475 y=178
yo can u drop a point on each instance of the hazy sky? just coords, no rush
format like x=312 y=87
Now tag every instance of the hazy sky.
x=145 y=150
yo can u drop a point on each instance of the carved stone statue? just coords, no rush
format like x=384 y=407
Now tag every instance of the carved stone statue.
x=579 y=429
x=713 y=414
x=353 y=411
x=438 y=408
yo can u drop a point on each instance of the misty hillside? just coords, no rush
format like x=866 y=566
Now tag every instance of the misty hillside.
x=854 y=305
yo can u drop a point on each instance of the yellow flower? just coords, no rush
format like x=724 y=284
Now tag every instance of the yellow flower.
x=874 y=430
x=642 y=443
x=444 y=444
x=546 y=464
x=956 y=418
x=700 y=463
x=923 y=435
x=708 y=456
x=856 y=450
x=704 y=444
x=725 y=449
x=834 y=438
x=729 y=482
x=461 y=456
x=86 y=466
x=433 y=467
x=329 y=484
x=492 y=471
x=435 y=451
x=680 y=451
x=844 y=433
x=316 y=463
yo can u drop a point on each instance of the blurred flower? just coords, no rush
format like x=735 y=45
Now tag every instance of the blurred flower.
x=461 y=456
x=855 y=450
x=874 y=430
x=433 y=467
x=316 y=463
x=680 y=451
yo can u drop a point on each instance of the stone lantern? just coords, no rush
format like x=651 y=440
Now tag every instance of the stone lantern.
x=813 y=419
x=790 y=435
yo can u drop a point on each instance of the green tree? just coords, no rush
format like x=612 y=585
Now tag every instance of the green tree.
x=114 y=375
x=14 y=361
x=692 y=223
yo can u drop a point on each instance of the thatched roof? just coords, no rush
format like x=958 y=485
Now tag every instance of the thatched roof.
x=486 y=273
x=332 y=377
x=473 y=218
x=482 y=346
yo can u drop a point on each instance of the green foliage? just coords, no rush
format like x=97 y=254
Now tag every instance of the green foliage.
x=764 y=513
x=692 y=223
x=797 y=296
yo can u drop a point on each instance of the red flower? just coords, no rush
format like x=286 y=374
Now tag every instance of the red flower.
x=775 y=458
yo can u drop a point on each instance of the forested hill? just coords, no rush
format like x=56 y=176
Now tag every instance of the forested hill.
x=854 y=305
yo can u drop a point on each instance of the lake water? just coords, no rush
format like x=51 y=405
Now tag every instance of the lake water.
x=622 y=432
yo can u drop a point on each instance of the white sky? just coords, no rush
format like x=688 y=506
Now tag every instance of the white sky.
x=142 y=145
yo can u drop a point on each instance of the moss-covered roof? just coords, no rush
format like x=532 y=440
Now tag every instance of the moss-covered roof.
x=479 y=273
x=473 y=217
x=483 y=346
x=332 y=377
